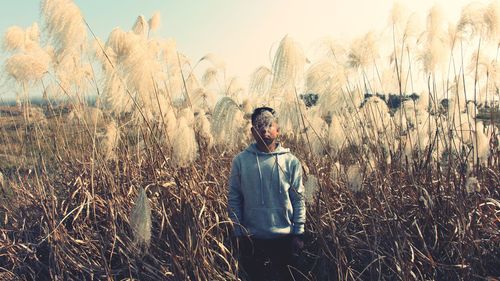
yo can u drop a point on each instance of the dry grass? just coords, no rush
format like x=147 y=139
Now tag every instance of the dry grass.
x=66 y=215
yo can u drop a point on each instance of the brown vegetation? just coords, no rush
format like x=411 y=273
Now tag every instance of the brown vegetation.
x=66 y=215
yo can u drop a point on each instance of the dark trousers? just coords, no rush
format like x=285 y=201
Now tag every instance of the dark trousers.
x=267 y=259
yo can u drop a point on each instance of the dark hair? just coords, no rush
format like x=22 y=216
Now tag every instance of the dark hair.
x=259 y=110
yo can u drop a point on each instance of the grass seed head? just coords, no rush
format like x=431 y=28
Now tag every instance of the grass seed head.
x=140 y=221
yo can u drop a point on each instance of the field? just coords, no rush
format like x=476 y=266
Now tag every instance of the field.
x=66 y=212
x=400 y=153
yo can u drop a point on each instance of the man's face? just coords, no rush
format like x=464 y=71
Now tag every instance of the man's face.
x=265 y=130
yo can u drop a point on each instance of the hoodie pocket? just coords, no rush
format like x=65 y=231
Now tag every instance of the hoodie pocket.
x=262 y=218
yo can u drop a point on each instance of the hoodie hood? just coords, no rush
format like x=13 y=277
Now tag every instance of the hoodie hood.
x=252 y=148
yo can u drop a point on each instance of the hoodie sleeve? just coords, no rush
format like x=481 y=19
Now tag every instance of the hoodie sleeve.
x=297 y=198
x=235 y=197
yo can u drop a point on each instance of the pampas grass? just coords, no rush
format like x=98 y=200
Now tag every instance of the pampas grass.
x=64 y=24
x=290 y=120
x=363 y=51
x=421 y=173
x=14 y=39
x=202 y=128
x=154 y=22
x=260 y=81
x=491 y=18
x=472 y=185
x=228 y=123
x=184 y=146
x=141 y=26
x=140 y=222
x=319 y=76
x=89 y=116
x=336 y=134
x=109 y=143
x=27 y=67
x=311 y=189
x=471 y=22
x=354 y=178
x=288 y=63
x=209 y=76
x=482 y=143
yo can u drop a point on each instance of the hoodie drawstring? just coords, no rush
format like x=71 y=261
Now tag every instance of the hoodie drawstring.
x=260 y=177
x=278 y=169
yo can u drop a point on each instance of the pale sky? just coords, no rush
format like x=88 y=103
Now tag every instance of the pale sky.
x=242 y=33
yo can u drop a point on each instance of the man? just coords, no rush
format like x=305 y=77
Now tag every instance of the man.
x=266 y=202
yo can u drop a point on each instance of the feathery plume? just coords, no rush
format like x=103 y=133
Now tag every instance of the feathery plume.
x=14 y=38
x=260 y=81
x=290 y=120
x=105 y=55
x=202 y=128
x=28 y=67
x=318 y=77
x=311 y=188
x=184 y=146
x=33 y=33
x=209 y=76
x=332 y=49
x=216 y=61
x=170 y=127
x=88 y=115
x=471 y=22
x=110 y=142
x=482 y=143
x=235 y=89
x=203 y=99
x=376 y=114
x=471 y=109
x=2 y=181
x=37 y=115
x=115 y=95
x=336 y=134
x=140 y=26
x=413 y=27
x=188 y=116
x=492 y=20
x=140 y=222
x=363 y=51
x=472 y=185
x=398 y=14
x=227 y=123
x=354 y=178
x=288 y=63
x=316 y=130
x=64 y=24
x=154 y=22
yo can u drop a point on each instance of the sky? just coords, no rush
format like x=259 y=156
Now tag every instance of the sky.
x=242 y=33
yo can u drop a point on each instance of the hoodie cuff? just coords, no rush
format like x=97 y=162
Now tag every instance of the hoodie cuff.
x=298 y=229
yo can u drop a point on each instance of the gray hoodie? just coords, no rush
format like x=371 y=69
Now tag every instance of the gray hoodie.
x=266 y=193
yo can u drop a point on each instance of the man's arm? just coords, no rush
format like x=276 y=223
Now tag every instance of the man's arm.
x=235 y=198
x=297 y=198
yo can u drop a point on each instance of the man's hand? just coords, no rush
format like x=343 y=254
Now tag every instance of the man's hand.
x=297 y=244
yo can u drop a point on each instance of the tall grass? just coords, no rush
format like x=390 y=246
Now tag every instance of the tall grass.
x=135 y=186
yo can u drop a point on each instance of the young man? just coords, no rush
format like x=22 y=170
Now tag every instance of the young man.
x=266 y=202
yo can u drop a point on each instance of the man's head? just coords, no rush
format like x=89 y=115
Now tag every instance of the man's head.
x=265 y=128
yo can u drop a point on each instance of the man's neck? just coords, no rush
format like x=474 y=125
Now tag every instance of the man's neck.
x=266 y=148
